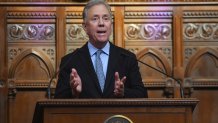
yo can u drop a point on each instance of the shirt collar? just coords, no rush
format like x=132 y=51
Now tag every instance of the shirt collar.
x=93 y=49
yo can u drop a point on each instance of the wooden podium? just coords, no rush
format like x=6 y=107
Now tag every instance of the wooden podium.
x=100 y=110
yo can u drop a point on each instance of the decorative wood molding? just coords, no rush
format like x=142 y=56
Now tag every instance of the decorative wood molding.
x=14 y=52
x=33 y=15
x=200 y=32
x=75 y=33
x=41 y=59
x=18 y=32
x=138 y=15
x=74 y=15
x=31 y=83
x=204 y=51
x=199 y=83
x=189 y=52
x=112 y=3
x=148 y=32
x=119 y=102
x=162 y=59
x=200 y=14
x=154 y=83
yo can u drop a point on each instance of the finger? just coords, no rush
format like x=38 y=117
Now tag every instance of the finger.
x=74 y=72
x=123 y=80
x=117 y=77
x=75 y=85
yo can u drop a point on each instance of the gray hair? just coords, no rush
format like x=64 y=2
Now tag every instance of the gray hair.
x=92 y=3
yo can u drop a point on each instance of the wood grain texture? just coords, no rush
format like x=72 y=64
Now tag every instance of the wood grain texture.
x=179 y=39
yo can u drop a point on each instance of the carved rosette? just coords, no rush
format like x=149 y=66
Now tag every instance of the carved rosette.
x=50 y=52
x=18 y=32
x=148 y=32
x=200 y=31
x=13 y=52
x=167 y=51
x=189 y=51
x=75 y=32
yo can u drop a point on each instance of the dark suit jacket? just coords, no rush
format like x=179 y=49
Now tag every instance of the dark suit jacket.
x=120 y=60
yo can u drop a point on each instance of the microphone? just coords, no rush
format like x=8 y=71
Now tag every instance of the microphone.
x=55 y=74
x=178 y=81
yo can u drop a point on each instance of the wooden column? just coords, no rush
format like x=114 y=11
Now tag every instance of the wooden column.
x=178 y=52
x=3 y=67
x=119 y=26
x=61 y=34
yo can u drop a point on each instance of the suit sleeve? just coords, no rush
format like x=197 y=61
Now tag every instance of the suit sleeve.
x=63 y=89
x=134 y=87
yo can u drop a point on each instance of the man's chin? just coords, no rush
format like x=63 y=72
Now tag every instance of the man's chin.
x=103 y=40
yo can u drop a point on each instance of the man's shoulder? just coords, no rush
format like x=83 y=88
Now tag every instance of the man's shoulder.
x=70 y=55
x=124 y=51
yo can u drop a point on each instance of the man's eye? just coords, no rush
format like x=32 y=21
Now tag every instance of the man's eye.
x=106 y=18
x=94 y=19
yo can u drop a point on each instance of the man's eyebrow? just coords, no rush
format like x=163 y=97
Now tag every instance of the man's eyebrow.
x=95 y=15
x=106 y=15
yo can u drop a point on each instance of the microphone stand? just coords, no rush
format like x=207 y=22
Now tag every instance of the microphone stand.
x=49 y=85
x=178 y=81
x=61 y=68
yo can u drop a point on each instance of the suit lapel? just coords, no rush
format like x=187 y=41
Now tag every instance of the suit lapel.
x=112 y=62
x=86 y=59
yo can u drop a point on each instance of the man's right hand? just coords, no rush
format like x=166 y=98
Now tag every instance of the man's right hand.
x=75 y=83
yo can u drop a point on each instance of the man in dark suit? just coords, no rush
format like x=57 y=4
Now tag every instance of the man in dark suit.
x=114 y=73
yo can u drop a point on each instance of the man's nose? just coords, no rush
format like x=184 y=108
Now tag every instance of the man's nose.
x=101 y=22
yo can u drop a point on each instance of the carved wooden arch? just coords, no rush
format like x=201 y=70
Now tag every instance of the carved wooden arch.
x=199 y=54
x=158 y=55
x=36 y=52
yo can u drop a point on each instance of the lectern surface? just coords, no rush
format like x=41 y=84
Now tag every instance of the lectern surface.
x=100 y=110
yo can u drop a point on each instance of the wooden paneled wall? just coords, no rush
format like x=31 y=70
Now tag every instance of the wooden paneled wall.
x=179 y=39
x=80 y=1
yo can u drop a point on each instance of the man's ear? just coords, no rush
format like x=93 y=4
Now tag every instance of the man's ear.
x=84 y=26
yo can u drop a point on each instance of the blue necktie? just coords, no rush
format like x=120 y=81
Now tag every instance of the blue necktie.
x=99 y=69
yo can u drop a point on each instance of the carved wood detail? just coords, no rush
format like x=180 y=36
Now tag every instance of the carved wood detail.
x=204 y=52
x=17 y=32
x=35 y=15
x=120 y=102
x=137 y=15
x=179 y=39
x=148 y=32
x=201 y=32
x=202 y=75
x=20 y=74
x=157 y=60
x=197 y=14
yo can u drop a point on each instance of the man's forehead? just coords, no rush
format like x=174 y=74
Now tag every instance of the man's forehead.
x=93 y=8
x=104 y=15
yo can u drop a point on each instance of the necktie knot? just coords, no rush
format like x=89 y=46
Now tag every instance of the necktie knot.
x=98 y=53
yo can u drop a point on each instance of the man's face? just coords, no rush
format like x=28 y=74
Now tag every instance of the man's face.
x=98 y=25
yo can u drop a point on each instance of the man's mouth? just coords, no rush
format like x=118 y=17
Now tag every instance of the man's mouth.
x=101 y=32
